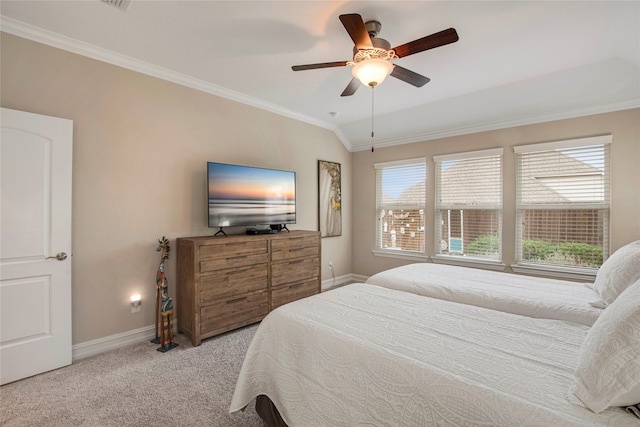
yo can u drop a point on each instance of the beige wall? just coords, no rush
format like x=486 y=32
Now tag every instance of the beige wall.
x=140 y=149
x=625 y=179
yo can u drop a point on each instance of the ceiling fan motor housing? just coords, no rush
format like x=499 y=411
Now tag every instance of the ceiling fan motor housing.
x=381 y=47
x=373 y=28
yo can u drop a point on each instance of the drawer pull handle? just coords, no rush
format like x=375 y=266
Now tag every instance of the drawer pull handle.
x=232 y=301
x=298 y=261
x=231 y=273
x=297 y=285
x=239 y=257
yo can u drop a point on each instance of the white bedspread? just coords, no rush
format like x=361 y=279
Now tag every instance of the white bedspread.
x=366 y=355
x=529 y=296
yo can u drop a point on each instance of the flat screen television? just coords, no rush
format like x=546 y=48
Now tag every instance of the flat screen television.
x=250 y=196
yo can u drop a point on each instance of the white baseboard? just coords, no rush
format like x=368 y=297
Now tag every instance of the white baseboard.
x=112 y=342
x=341 y=280
x=359 y=278
x=147 y=333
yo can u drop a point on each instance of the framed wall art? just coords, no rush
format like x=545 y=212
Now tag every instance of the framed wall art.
x=329 y=199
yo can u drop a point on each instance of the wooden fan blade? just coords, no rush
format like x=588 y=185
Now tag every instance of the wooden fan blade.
x=351 y=88
x=425 y=43
x=409 y=76
x=354 y=25
x=320 y=65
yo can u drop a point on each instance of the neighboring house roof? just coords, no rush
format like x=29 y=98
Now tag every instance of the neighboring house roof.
x=561 y=181
x=412 y=196
x=470 y=180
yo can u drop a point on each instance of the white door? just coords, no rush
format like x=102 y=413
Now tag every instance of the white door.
x=35 y=226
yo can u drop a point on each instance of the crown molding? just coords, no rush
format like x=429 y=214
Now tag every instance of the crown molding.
x=49 y=38
x=499 y=124
x=30 y=32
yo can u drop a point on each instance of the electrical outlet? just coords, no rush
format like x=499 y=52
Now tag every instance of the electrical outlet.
x=136 y=303
x=330 y=265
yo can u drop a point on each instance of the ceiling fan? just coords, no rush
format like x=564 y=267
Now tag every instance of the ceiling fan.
x=371 y=55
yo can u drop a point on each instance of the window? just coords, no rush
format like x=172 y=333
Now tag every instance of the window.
x=400 y=205
x=562 y=203
x=469 y=205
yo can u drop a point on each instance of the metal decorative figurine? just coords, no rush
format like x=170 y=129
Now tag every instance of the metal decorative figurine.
x=164 y=313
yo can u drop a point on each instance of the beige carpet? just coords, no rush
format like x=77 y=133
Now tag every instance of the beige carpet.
x=139 y=386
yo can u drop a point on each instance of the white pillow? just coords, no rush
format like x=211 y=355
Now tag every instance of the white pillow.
x=618 y=272
x=608 y=371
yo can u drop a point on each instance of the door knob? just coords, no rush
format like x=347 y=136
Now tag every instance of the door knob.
x=61 y=256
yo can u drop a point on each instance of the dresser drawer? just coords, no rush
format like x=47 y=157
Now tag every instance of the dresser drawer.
x=233 y=262
x=292 y=292
x=294 y=271
x=295 y=243
x=232 y=249
x=232 y=281
x=235 y=310
x=308 y=252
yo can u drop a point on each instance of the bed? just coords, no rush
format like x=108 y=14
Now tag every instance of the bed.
x=368 y=355
x=512 y=293
x=530 y=296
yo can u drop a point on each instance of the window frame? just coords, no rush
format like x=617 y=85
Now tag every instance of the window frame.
x=399 y=253
x=560 y=270
x=466 y=260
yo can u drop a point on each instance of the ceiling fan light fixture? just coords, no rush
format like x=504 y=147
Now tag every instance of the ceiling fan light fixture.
x=372 y=72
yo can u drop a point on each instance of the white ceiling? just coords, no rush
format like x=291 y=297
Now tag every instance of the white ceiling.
x=515 y=63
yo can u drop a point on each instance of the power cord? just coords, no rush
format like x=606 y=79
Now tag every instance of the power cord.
x=333 y=275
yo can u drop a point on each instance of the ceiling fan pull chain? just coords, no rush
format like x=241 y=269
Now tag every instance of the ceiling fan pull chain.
x=372 y=115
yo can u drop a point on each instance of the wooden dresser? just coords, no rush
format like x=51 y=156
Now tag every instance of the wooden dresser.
x=228 y=282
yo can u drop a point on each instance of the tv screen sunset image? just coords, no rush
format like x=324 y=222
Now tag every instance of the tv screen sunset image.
x=242 y=195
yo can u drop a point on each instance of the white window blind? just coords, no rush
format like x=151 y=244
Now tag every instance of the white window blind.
x=469 y=204
x=562 y=203
x=400 y=205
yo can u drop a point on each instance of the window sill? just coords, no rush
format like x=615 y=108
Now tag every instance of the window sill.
x=469 y=262
x=400 y=254
x=571 y=273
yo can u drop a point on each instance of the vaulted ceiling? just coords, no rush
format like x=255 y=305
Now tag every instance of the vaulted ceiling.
x=516 y=62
